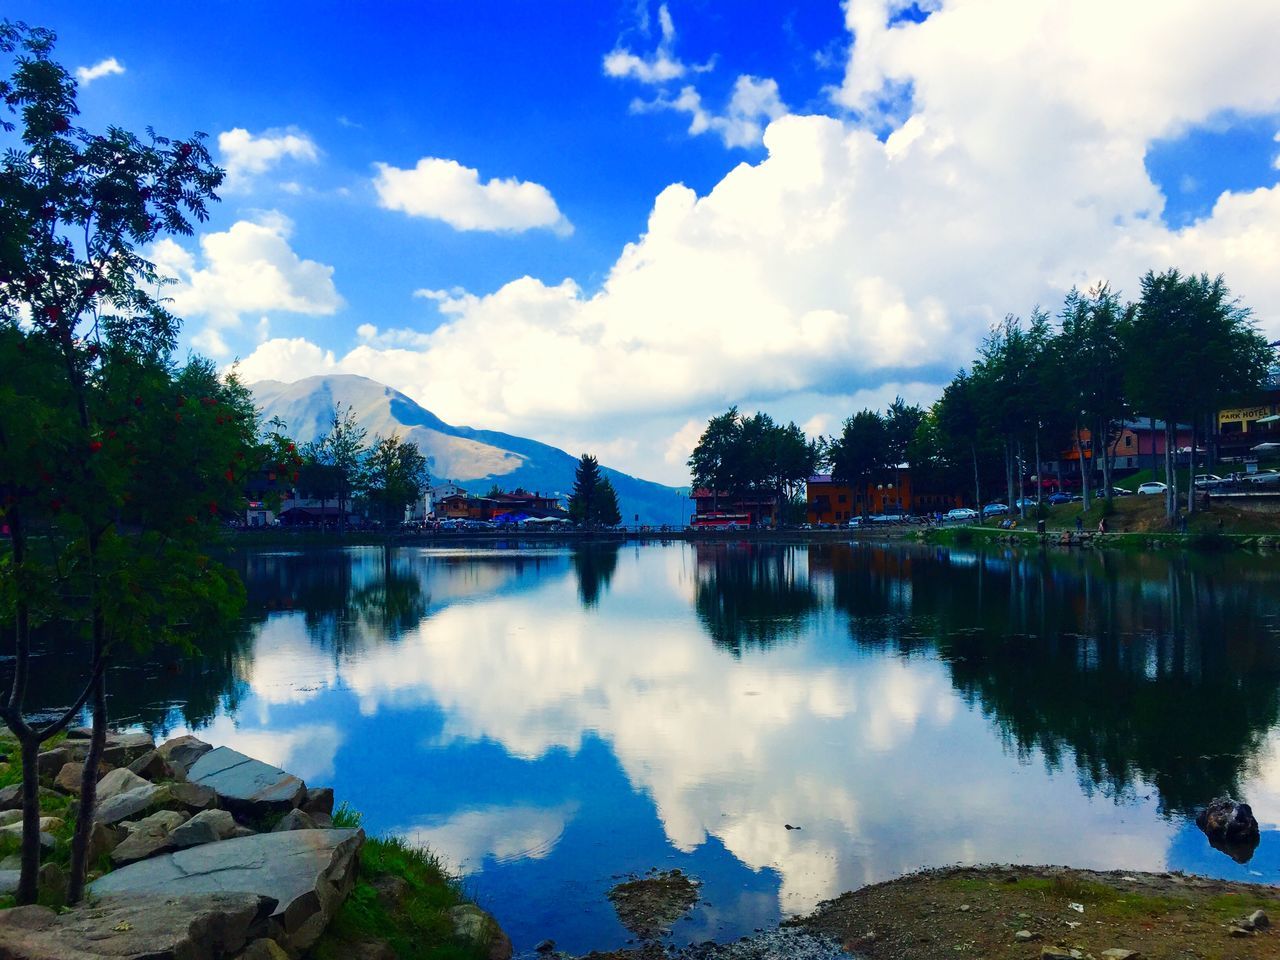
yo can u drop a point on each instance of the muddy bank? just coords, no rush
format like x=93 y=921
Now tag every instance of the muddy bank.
x=1024 y=913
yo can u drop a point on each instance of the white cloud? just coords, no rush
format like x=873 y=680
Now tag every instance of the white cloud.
x=287 y=360
x=659 y=67
x=842 y=263
x=103 y=68
x=755 y=102
x=245 y=155
x=248 y=268
x=446 y=190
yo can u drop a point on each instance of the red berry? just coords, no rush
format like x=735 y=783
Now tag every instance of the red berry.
x=95 y=446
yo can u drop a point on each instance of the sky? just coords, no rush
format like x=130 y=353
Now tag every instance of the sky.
x=598 y=224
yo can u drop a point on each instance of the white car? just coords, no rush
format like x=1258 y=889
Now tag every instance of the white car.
x=1204 y=480
x=1153 y=486
x=961 y=514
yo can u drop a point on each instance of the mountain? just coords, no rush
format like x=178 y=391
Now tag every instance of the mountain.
x=474 y=459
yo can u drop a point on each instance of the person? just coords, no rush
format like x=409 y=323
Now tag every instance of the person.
x=1102 y=525
x=1182 y=523
x=1080 y=523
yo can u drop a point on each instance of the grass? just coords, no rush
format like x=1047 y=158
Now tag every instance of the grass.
x=419 y=927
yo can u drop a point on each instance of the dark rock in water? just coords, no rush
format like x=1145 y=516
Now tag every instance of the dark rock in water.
x=1230 y=827
x=545 y=946
x=649 y=905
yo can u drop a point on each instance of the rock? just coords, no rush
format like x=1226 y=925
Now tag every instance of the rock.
x=1230 y=827
x=158 y=926
x=149 y=837
x=246 y=786
x=1239 y=932
x=264 y=949
x=391 y=889
x=9 y=881
x=472 y=923
x=11 y=796
x=294 y=820
x=1055 y=953
x=207 y=827
x=151 y=766
x=194 y=796
x=125 y=806
x=51 y=761
x=242 y=831
x=102 y=840
x=369 y=950
x=131 y=746
x=1118 y=953
x=322 y=820
x=51 y=882
x=308 y=872
x=10 y=816
x=12 y=862
x=184 y=750
x=47 y=825
x=69 y=777
x=1259 y=919
x=545 y=946
x=319 y=800
x=1025 y=936
x=117 y=782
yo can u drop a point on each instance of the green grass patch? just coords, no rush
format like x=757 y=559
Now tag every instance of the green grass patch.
x=419 y=926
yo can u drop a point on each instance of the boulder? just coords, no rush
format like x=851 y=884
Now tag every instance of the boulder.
x=206 y=827
x=131 y=745
x=184 y=750
x=117 y=782
x=9 y=882
x=321 y=820
x=69 y=777
x=102 y=840
x=263 y=949
x=51 y=761
x=127 y=806
x=151 y=766
x=10 y=816
x=319 y=800
x=247 y=786
x=308 y=872
x=1230 y=827
x=206 y=927
x=11 y=796
x=472 y=923
x=51 y=883
x=194 y=796
x=294 y=820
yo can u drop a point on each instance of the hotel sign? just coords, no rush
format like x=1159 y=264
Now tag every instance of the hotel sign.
x=1243 y=414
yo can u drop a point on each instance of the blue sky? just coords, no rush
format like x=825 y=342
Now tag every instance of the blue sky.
x=414 y=183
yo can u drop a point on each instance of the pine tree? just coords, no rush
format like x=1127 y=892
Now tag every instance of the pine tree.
x=586 y=483
x=606 y=504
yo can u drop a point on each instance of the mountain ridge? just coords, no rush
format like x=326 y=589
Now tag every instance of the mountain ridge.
x=473 y=458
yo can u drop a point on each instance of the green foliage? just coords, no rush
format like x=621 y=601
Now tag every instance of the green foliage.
x=861 y=450
x=738 y=455
x=394 y=475
x=583 y=508
x=333 y=460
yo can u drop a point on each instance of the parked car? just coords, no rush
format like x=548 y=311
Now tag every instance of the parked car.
x=1121 y=492
x=887 y=518
x=1206 y=480
x=1152 y=486
x=961 y=515
x=1265 y=476
x=1059 y=498
x=995 y=510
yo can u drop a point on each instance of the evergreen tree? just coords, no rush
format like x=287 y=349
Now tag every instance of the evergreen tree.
x=586 y=485
x=605 y=504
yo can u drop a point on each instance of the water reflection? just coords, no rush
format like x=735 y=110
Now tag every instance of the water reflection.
x=550 y=718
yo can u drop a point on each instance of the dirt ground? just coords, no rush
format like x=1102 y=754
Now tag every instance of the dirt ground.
x=979 y=912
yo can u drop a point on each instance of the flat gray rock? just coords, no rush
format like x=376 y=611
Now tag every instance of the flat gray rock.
x=149 y=927
x=184 y=750
x=207 y=827
x=308 y=872
x=128 y=805
x=246 y=785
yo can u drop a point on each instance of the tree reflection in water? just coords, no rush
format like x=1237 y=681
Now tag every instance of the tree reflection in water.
x=1145 y=670
x=594 y=564
x=751 y=594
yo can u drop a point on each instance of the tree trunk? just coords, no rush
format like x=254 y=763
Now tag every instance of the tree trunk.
x=89 y=778
x=30 y=748
x=1171 y=488
x=977 y=486
x=1039 y=475
x=1022 y=493
x=1008 y=473
x=1191 y=471
x=1084 y=471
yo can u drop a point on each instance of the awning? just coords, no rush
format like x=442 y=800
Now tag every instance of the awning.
x=1271 y=419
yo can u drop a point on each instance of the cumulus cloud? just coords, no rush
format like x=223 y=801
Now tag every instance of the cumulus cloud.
x=103 y=68
x=248 y=268
x=659 y=67
x=245 y=155
x=446 y=190
x=845 y=260
x=754 y=103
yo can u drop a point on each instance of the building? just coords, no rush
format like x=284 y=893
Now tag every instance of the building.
x=1138 y=445
x=1241 y=430
x=464 y=506
x=827 y=501
x=713 y=509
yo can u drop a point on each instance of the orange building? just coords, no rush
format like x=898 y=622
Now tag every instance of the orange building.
x=832 y=502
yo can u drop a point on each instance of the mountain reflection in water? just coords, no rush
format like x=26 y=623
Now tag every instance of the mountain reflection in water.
x=549 y=718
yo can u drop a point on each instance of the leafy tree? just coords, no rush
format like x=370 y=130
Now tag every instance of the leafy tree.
x=605 y=503
x=961 y=427
x=714 y=463
x=1192 y=349
x=860 y=450
x=583 y=506
x=114 y=464
x=739 y=455
x=901 y=421
x=335 y=457
x=394 y=475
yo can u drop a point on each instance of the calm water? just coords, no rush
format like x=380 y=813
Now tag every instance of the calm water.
x=550 y=719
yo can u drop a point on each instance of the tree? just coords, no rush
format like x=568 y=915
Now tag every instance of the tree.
x=114 y=463
x=861 y=449
x=606 y=504
x=1192 y=348
x=714 y=463
x=583 y=508
x=960 y=424
x=394 y=475
x=338 y=454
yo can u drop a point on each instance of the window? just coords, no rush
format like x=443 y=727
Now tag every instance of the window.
x=842 y=498
x=1128 y=440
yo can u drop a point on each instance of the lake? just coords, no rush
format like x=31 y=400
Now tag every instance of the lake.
x=550 y=719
